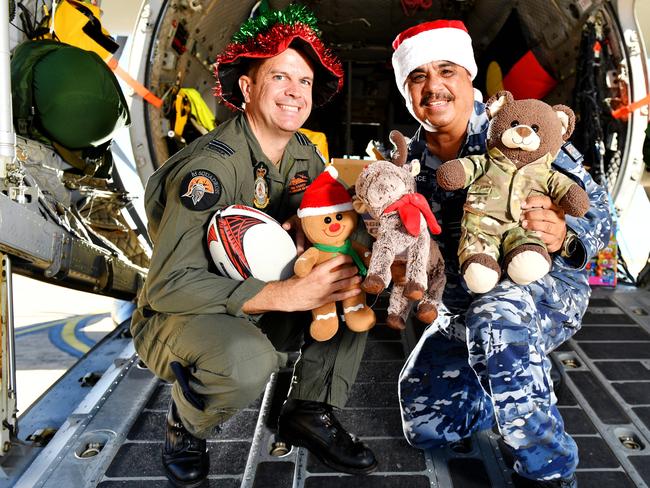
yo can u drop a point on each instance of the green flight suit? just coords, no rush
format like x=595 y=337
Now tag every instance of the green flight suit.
x=188 y=313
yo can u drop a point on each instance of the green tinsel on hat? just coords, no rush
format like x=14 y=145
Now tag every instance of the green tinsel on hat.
x=292 y=14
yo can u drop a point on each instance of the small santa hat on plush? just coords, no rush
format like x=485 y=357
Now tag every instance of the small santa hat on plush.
x=439 y=40
x=325 y=195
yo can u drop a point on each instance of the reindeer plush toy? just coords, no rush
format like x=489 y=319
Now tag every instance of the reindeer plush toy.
x=386 y=190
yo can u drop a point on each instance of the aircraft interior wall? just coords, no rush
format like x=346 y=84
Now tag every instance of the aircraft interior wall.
x=175 y=42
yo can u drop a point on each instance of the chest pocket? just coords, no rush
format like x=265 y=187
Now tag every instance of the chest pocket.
x=295 y=187
x=478 y=197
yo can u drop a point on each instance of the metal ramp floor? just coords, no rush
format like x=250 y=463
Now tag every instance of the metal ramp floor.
x=605 y=404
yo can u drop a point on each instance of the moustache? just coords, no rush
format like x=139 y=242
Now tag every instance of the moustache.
x=436 y=97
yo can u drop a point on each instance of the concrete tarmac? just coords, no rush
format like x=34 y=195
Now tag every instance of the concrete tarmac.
x=54 y=326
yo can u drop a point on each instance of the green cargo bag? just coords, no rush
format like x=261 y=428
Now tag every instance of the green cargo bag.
x=68 y=97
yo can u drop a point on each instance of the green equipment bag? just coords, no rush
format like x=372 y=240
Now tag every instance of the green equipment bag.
x=67 y=97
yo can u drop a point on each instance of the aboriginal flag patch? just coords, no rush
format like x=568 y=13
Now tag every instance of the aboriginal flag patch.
x=200 y=189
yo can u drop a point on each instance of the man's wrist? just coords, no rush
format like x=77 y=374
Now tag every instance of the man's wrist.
x=570 y=244
x=265 y=300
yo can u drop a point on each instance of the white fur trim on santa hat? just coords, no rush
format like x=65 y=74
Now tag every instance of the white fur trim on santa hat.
x=437 y=44
x=331 y=169
x=312 y=211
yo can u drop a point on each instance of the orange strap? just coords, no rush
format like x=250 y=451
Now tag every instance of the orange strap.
x=619 y=113
x=139 y=88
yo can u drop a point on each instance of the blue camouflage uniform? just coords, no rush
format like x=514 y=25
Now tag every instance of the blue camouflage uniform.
x=485 y=358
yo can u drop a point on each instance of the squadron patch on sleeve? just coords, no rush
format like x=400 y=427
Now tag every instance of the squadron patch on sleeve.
x=200 y=189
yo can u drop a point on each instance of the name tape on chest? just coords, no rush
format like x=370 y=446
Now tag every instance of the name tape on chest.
x=298 y=183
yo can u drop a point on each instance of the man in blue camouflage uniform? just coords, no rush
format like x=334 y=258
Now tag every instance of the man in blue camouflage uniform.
x=486 y=358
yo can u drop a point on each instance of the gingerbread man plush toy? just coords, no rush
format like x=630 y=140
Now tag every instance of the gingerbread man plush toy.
x=328 y=220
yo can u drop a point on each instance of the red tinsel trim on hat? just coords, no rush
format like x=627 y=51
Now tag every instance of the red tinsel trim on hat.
x=273 y=42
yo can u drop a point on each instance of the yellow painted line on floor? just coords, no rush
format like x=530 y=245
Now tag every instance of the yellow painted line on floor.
x=34 y=328
x=67 y=334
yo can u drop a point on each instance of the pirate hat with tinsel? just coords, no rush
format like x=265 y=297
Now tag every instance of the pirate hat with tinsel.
x=269 y=35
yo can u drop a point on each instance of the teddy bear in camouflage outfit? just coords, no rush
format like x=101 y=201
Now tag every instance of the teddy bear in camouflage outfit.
x=524 y=138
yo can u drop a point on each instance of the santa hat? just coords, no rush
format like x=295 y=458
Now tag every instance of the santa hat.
x=439 y=40
x=325 y=195
x=269 y=35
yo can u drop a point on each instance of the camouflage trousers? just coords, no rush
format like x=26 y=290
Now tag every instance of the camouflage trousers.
x=449 y=389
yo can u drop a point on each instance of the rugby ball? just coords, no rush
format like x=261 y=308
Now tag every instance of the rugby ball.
x=246 y=242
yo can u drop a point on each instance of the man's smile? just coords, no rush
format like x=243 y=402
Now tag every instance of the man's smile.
x=436 y=100
x=288 y=108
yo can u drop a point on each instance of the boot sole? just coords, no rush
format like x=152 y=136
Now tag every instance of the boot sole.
x=330 y=464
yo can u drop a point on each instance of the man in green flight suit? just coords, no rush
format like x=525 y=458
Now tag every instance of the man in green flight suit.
x=217 y=339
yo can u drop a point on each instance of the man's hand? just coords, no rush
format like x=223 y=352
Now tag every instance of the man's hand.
x=541 y=215
x=328 y=282
x=294 y=225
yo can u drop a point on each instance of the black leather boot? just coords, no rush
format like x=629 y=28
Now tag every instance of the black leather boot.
x=184 y=456
x=314 y=426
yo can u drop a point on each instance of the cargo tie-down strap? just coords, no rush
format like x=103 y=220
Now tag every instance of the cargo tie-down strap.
x=622 y=112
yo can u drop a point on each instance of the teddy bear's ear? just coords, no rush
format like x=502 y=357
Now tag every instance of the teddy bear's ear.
x=497 y=101
x=358 y=205
x=568 y=119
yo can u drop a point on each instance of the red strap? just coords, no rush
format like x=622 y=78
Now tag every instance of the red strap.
x=623 y=112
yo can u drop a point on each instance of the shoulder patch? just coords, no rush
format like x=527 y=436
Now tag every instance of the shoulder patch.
x=220 y=147
x=303 y=140
x=200 y=189
x=572 y=152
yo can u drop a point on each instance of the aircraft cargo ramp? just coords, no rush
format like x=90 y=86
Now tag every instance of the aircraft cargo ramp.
x=113 y=438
